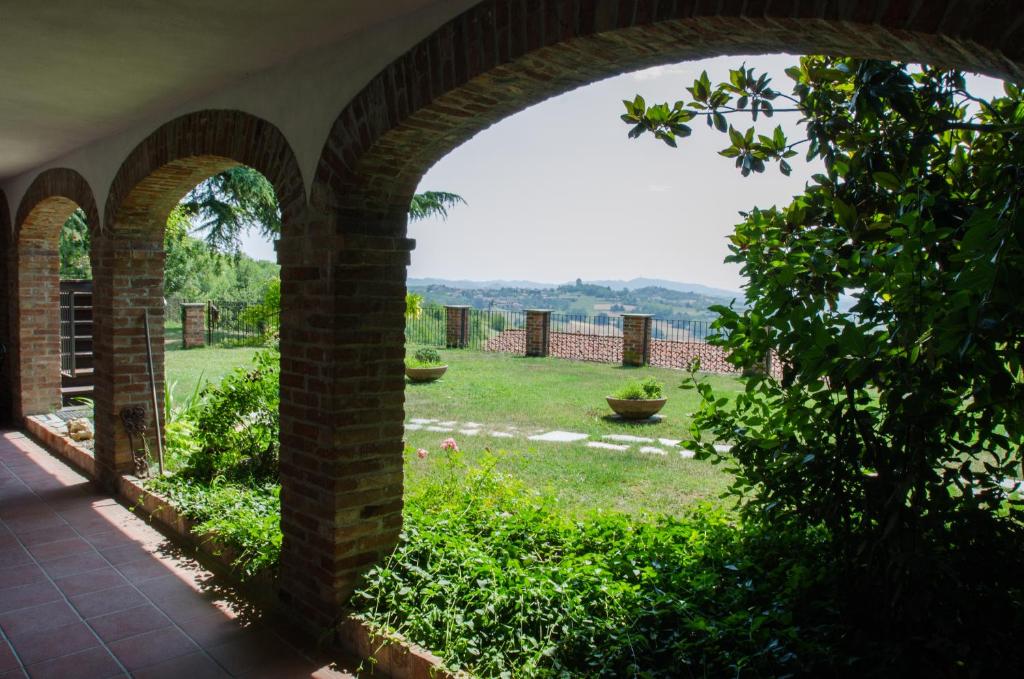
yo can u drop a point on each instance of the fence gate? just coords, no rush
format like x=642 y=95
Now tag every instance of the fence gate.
x=76 y=360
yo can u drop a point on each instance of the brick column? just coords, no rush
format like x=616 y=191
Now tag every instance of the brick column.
x=35 y=351
x=127 y=280
x=456 y=327
x=193 y=325
x=538 y=332
x=6 y=294
x=342 y=396
x=636 y=339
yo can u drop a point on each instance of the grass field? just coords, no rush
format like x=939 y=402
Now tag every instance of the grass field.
x=522 y=397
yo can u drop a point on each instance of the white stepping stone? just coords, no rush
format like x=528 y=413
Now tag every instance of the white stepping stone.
x=722 y=448
x=440 y=428
x=671 y=443
x=469 y=432
x=606 y=446
x=420 y=420
x=414 y=427
x=449 y=423
x=473 y=425
x=687 y=454
x=628 y=438
x=651 y=450
x=501 y=434
x=559 y=436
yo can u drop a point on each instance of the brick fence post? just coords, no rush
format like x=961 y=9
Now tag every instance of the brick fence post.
x=538 y=332
x=456 y=327
x=636 y=339
x=193 y=325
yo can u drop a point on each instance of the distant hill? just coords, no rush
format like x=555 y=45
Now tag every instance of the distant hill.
x=632 y=284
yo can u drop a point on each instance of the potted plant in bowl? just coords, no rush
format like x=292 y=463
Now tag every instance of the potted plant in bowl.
x=638 y=400
x=424 y=366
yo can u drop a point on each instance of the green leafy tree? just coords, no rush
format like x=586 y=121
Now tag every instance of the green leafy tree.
x=226 y=205
x=74 y=248
x=896 y=426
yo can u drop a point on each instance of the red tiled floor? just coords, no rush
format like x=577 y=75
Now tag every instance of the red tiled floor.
x=90 y=581
x=8 y=661
x=28 y=595
x=129 y=622
x=107 y=601
x=51 y=551
x=88 y=590
x=28 y=620
x=93 y=663
x=53 y=643
x=152 y=647
x=192 y=666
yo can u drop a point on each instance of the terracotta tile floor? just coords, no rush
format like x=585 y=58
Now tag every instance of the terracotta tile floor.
x=89 y=590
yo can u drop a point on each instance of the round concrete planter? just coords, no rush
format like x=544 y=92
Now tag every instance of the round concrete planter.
x=425 y=374
x=636 y=409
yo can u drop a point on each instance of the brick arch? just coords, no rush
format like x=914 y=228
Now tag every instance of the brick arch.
x=35 y=286
x=342 y=403
x=128 y=264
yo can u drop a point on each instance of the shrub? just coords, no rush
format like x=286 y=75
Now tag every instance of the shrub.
x=424 y=358
x=649 y=388
x=235 y=429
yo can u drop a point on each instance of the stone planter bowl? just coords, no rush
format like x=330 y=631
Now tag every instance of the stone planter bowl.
x=425 y=374
x=636 y=409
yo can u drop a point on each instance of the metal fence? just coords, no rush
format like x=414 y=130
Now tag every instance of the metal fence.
x=239 y=323
x=427 y=329
x=586 y=338
x=229 y=323
x=497 y=330
x=67 y=332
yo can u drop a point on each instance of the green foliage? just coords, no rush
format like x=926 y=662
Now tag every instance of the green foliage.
x=245 y=518
x=195 y=272
x=893 y=424
x=424 y=358
x=413 y=305
x=266 y=316
x=235 y=428
x=648 y=388
x=433 y=204
x=74 y=248
x=498 y=581
x=230 y=203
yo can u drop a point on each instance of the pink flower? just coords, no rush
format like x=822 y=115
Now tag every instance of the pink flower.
x=450 y=445
x=422 y=453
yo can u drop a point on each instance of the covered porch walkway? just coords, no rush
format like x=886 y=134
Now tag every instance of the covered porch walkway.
x=89 y=590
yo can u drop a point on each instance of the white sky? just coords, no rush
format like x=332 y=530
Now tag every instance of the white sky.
x=558 y=191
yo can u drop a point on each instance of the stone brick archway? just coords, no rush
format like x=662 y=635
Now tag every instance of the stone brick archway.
x=128 y=259
x=342 y=399
x=35 y=285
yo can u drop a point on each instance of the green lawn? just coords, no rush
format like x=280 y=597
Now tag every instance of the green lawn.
x=184 y=368
x=525 y=397
x=529 y=396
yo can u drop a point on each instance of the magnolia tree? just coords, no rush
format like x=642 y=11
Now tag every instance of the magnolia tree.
x=897 y=424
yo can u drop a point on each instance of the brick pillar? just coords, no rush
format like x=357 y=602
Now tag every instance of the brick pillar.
x=193 y=325
x=456 y=327
x=35 y=351
x=6 y=293
x=636 y=339
x=342 y=396
x=538 y=332
x=127 y=280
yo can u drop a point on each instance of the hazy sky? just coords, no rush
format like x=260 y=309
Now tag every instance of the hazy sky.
x=558 y=191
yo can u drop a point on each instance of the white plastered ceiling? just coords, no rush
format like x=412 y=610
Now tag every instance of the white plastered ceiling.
x=83 y=82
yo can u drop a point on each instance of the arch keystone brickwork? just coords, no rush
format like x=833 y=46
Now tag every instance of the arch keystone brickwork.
x=342 y=331
x=35 y=286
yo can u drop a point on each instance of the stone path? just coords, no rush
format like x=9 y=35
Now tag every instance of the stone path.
x=617 y=442
x=89 y=590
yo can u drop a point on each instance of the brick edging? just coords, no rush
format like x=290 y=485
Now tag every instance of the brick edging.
x=390 y=653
